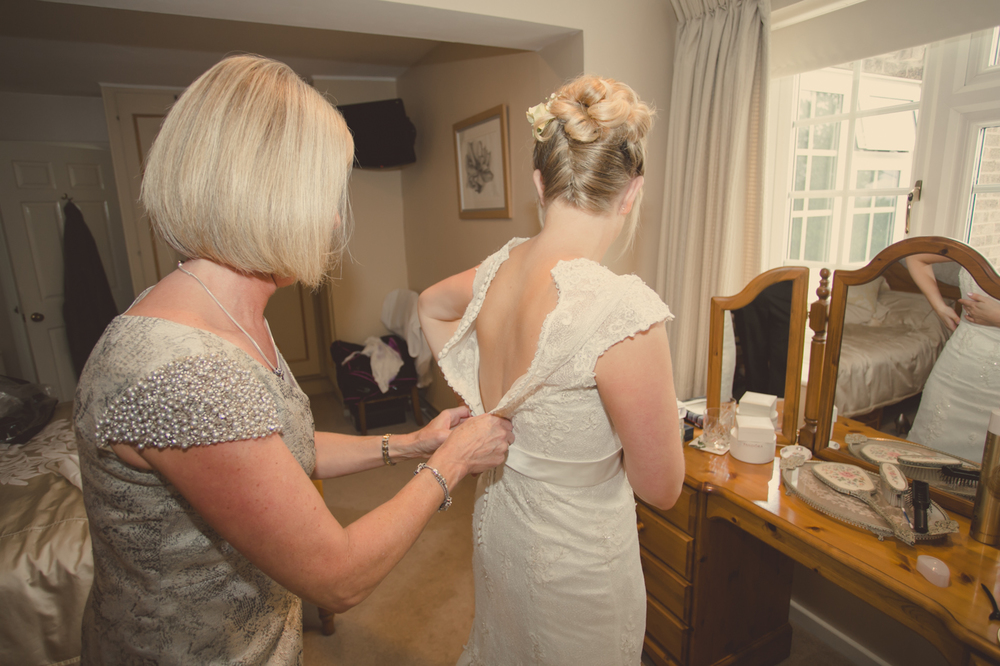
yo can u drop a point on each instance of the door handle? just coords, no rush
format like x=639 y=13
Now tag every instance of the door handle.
x=37 y=316
x=914 y=195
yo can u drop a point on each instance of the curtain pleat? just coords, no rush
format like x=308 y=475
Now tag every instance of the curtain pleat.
x=711 y=227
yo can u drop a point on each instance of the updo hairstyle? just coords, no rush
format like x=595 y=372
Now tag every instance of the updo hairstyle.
x=250 y=170
x=590 y=142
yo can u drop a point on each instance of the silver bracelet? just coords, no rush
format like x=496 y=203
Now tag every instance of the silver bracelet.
x=441 y=482
x=386 y=460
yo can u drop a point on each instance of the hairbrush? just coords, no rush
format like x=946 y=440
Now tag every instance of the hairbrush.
x=893 y=484
x=961 y=475
x=925 y=467
x=855 y=482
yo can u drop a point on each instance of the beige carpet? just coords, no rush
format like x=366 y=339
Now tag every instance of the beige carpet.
x=422 y=612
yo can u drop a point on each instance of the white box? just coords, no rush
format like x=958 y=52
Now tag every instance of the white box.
x=755 y=439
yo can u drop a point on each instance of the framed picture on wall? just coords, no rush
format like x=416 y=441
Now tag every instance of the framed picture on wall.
x=483 y=165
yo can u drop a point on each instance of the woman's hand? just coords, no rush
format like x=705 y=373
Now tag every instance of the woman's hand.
x=476 y=445
x=947 y=315
x=427 y=440
x=981 y=310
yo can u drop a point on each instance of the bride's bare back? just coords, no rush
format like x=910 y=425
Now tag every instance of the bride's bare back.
x=521 y=295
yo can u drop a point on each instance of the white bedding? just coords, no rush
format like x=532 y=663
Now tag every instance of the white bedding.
x=888 y=358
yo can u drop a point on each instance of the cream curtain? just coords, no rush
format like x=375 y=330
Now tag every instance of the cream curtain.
x=713 y=198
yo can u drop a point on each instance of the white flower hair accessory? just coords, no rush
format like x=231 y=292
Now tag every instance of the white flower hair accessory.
x=539 y=115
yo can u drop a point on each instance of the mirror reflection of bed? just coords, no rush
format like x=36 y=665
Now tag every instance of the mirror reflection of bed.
x=887 y=358
x=892 y=339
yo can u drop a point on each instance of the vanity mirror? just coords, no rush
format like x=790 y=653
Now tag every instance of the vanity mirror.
x=882 y=340
x=772 y=310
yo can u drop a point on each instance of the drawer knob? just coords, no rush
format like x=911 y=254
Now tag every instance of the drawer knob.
x=640 y=526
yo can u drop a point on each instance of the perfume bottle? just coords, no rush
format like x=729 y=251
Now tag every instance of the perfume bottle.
x=985 y=525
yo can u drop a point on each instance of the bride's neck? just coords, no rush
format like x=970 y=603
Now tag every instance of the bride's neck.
x=569 y=232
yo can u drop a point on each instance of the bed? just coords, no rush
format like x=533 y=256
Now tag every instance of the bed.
x=892 y=338
x=46 y=564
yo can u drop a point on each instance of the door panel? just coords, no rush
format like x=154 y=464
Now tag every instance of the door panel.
x=34 y=180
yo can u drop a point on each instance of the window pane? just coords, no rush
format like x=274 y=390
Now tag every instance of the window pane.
x=824 y=174
x=829 y=104
x=801 y=166
x=994 y=48
x=881 y=233
x=891 y=79
x=865 y=179
x=984 y=230
x=821 y=204
x=805 y=105
x=859 y=237
x=817 y=238
x=797 y=204
x=863 y=202
x=803 y=138
x=888 y=179
x=988 y=168
x=795 y=238
x=826 y=137
x=885 y=202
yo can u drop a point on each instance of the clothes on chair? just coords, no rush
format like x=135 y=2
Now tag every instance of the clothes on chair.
x=399 y=315
x=385 y=361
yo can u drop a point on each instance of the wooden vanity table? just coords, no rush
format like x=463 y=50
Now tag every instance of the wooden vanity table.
x=718 y=570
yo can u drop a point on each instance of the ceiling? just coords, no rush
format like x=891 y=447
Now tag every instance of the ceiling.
x=69 y=49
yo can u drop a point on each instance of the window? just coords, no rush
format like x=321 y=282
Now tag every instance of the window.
x=851 y=148
x=984 y=209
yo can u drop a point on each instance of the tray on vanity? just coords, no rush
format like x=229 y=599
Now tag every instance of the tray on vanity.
x=802 y=483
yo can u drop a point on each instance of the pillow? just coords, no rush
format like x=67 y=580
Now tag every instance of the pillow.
x=861 y=301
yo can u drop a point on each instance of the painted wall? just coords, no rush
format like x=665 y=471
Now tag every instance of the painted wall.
x=62 y=118
x=437 y=95
x=376 y=264
x=632 y=41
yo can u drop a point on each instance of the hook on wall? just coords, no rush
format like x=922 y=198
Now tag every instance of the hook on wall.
x=66 y=197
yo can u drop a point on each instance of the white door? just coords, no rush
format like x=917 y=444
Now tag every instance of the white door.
x=36 y=178
x=134 y=118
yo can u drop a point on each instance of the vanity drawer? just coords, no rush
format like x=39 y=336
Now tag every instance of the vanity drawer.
x=666 y=542
x=656 y=654
x=683 y=514
x=666 y=586
x=667 y=631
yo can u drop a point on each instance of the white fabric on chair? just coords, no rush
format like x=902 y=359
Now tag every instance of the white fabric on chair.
x=399 y=315
x=386 y=361
x=713 y=197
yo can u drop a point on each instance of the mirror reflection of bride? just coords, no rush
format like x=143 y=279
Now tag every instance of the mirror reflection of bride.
x=964 y=385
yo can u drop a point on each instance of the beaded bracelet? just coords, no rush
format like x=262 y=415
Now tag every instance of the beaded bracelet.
x=441 y=482
x=386 y=460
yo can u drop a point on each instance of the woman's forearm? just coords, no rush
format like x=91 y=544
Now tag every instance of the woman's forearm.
x=441 y=307
x=340 y=455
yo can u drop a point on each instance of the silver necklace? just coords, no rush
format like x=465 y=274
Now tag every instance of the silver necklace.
x=276 y=370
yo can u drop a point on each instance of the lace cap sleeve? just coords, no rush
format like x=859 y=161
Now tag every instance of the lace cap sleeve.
x=192 y=401
x=638 y=309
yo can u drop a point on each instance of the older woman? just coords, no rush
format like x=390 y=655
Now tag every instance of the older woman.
x=197 y=446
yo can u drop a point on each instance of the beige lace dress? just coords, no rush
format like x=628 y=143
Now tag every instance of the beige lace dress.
x=556 y=552
x=167 y=588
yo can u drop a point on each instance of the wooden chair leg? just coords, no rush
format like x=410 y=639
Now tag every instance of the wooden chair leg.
x=361 y=417
x=417 y=414
x=326 y=619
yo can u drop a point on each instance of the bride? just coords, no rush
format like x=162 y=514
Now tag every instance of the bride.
x=577 y=358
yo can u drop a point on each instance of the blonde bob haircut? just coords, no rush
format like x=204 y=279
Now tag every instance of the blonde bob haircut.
x=590 y=142
x=250 y=170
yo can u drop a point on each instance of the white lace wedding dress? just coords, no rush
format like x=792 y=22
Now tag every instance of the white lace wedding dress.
x=556 y=553
x=962 y=389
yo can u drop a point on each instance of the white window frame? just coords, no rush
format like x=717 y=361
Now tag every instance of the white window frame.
x=961 y=94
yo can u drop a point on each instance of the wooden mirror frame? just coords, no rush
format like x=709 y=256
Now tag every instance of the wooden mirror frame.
x=799 y=277
x=822 y=389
